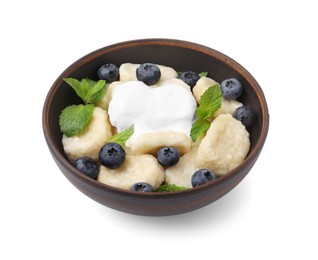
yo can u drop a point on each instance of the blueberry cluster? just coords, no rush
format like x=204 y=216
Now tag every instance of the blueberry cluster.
x=111 y=155
x=232 y=89
x=169 y=156
x=166 y=156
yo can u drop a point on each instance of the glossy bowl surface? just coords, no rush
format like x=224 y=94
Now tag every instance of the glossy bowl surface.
x=182 y=56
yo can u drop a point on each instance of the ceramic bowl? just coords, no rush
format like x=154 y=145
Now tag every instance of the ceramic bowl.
x=182 y=56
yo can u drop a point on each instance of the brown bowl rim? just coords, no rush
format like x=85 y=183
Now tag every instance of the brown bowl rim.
x=164 y=42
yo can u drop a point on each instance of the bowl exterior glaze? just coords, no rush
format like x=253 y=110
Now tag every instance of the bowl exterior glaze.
x=182 y=56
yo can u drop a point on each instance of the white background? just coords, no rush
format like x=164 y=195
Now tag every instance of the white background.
x=272 y=214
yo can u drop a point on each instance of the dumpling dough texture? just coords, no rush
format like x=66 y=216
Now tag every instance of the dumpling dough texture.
x=152 y=142
x=90 y=140
x=181 y=173
x=136 y=168
x=225 y=145
x=201 y=86
x=228 y=106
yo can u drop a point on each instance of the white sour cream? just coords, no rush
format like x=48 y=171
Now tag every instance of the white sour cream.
x=152 y=109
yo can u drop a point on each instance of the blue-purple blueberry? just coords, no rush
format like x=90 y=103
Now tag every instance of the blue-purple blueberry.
x=148 y=73
x=142 y=187
x=87 y=166
x=108 y=72
x=112 y=155
x=168 y=156
x=245 y=114
x=202 y=176
x=190 y=78
x=231 y=88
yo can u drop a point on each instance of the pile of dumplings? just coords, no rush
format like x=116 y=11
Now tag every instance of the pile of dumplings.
x=224 y=146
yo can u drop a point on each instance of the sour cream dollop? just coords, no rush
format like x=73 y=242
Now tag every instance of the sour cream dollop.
x=168 y=107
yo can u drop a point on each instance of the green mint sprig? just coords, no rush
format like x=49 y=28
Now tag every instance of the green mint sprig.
x=170 y=188
x=88 y=90
x=199 y=127
x=122 y=137
x=74 y=118
x=210 y=102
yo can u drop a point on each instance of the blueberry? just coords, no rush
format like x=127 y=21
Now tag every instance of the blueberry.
x=112 y=155
x=148 y=73
x=190 y=78
x=202 y=176
x=231 y=88
x=108 y=72
x=168 y=156
x=87 y=166
x=245 y=114
x=141 y=187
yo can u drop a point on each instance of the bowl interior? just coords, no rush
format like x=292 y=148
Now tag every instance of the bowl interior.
x=180 y=55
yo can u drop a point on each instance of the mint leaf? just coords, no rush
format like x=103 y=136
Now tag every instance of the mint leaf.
x=81 y=88
x=210 y=102
x=122 y=137
x=90 y=82
x=170 y=188
x=96 y=92
x=88 y=90
x=203 y=74
x=199 y=127
x=74 y=118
